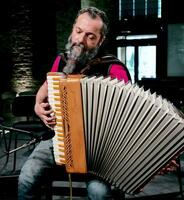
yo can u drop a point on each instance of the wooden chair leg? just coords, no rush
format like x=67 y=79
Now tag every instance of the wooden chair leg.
x=48 y=190
x=118 y=194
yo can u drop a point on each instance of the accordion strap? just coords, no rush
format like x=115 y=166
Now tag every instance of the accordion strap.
x=103 y=65
x=70 y=185
x=97 y=66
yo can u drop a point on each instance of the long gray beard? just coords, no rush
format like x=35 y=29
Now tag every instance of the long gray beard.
x=76 y=54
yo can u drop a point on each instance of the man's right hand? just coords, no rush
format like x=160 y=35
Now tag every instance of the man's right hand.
x=46 y=114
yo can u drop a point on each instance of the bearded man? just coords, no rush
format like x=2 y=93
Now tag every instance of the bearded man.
x=82 y=56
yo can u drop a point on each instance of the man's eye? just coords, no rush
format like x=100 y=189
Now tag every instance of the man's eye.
x=78 y=31
x=91 y=37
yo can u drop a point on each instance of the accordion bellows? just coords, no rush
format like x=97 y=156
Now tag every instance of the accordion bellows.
x=117 y=131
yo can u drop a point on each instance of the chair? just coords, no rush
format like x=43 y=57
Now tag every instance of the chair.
x=26 y=122
x=58 y=184
x=23 y=109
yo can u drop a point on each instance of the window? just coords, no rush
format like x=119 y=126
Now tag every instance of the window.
x=146 y=8
x=126 y=55
x=175 y=59
x=140 y=59
x=146 y=62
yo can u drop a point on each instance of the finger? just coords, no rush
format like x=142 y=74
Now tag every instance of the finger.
x=48 y=113
x=49 y=119
x=46 y=106
x=50 y=126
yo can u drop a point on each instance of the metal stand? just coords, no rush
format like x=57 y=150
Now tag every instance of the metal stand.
x=7 y=141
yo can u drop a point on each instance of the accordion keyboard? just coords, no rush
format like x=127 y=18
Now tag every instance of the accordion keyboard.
x=55 y=102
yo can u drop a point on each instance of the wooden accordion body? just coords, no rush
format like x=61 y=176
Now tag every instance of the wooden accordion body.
x=68 y=142
x=117 y=131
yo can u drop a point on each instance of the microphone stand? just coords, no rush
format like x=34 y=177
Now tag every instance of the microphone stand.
x=47 y=134
x=44 y=135
x=7 y=146
x=33 y=141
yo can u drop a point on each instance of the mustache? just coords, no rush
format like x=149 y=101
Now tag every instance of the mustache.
x=76 y=51
x=79 y=53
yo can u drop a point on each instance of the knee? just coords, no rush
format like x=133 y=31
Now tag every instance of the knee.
x=28 y=181
x=98 y=190
x=26 y=177
x=30 y=172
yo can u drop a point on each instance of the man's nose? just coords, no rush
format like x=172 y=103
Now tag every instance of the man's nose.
x=82 y=39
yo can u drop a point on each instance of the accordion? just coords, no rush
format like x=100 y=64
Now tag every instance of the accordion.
x=119 y=132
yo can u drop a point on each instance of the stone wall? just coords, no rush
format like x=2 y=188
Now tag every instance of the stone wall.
x=31 y=35
x=22 y=54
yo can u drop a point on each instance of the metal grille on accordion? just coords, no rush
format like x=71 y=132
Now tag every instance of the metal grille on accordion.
x=127 y=134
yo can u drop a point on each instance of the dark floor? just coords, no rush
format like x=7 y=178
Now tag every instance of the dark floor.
x=160 y=187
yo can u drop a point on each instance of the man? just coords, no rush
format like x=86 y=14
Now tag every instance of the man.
x=81 y=56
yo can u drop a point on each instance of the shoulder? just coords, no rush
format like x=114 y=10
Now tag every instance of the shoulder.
x=116 y=68
x=120 y=72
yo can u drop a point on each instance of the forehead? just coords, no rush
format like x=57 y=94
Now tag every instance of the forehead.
x=88 y=24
